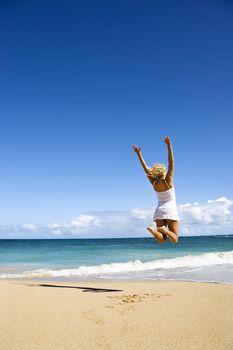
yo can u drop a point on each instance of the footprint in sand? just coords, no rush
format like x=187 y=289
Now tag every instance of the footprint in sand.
x=128 y=302
x=91 y=316
x=132 y=298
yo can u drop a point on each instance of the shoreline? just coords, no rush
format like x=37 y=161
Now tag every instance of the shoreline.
x=107 y=280
x=114 y=314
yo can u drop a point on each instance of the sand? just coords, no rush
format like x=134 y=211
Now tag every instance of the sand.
x=113 y=315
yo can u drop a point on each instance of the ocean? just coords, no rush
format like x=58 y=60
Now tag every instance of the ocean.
x=202 y=258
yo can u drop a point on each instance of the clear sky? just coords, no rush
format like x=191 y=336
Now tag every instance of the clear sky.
x=82 y=81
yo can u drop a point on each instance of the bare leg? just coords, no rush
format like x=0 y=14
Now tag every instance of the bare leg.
x=172 y=231
x=172 y=236
x=159 y=236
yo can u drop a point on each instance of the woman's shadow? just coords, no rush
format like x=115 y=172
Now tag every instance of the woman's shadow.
x=84 y=289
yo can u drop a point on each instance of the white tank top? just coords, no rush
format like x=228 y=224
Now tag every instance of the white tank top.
x=168 y=196
x=166 y=208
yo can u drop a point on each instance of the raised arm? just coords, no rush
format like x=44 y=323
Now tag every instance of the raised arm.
x=142 y=161
x=170 y=158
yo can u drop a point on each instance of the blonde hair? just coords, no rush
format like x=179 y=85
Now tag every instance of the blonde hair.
x=157 y=170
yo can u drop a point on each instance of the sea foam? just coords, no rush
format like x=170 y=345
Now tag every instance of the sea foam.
x=188 y=261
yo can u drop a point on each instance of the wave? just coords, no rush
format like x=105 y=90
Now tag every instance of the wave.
x=190 y=261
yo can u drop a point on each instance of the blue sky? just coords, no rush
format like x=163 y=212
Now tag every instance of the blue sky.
x=82 y=81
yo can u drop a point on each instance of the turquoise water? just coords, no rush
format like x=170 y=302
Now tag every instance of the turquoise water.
x=203 y=258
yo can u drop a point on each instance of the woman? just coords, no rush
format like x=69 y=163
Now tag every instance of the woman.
x=166 y=218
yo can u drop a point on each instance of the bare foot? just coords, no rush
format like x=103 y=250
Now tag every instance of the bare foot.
x=151 y=230
x=156 y=234
x=162 y=229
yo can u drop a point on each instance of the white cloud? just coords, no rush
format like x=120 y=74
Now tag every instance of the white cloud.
x=218 y=212
x=212 y=217
x=85 y=222
x=141 y=214
x=77 y=226
x=30 y=227
x=55 y=229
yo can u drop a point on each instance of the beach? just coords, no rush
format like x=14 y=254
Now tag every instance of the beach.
x=116 y=118
x=115 y=314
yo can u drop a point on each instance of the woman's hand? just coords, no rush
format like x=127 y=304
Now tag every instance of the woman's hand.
x=167 y=140
x=137 y=149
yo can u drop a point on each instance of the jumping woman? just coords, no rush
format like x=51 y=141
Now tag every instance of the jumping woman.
x=166 y=218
